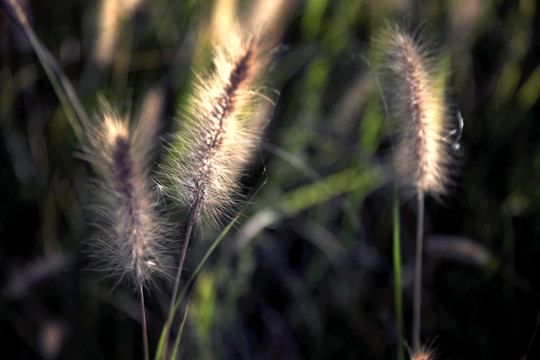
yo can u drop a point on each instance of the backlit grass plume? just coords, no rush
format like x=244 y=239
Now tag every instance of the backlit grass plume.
x=218 y=135
x=129 y=241
x=416 y=92
x=416 y=97
x=218 y=132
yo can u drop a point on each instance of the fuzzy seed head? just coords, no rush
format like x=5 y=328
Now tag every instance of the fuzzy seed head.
x=111 y=16
x=416 y=92
x=219 y=132
x=423 y=353
x=130 y=236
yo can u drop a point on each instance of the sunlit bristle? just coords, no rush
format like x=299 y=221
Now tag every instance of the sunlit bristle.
x=416 y=94
x=130 y=232
x=219 y=131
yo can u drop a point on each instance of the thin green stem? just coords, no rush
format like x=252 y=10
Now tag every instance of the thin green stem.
x=417 y=296
x=144 y=327
x=191 y=280
x=172 y=308
x=161 y=350
x=396 y=236
x=397 y=273
x=180 y=331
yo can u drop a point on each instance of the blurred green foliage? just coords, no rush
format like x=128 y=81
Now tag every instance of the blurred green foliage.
x=307 y=274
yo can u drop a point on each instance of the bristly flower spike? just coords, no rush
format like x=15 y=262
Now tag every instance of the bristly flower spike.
x=218 y=132
x=416 y=90
x=131 y=234
x=217 y=136
x=415 y=87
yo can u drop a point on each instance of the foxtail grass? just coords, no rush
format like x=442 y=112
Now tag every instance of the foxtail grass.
x=416 y=96
x=219 y=132
x=129 y=243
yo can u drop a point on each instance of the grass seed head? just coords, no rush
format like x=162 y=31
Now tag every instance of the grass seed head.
x=219 y=131
x=415 y=87
x=130 y=238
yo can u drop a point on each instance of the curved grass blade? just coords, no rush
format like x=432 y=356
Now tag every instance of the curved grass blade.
x=217 y=241
x=69 y=100
x=180 y=331
x=397 y=273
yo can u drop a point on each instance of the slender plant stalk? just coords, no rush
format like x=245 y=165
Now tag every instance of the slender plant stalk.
x=417 y=297
x=161 y=345
x=172 y=307
x=144 y=327
x=180 y=331
x=398 y=298
x=397 y=272
x=210 y=251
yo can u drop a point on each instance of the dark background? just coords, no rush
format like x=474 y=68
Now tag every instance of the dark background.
x=315 y=280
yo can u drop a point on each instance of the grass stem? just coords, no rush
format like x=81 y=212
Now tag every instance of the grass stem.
x=144 y=327
x=192 y=221
x=397 y=273
x=417 y=296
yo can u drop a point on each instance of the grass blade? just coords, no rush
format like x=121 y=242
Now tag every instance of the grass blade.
x=217 y=241
x=398 y=303
x=69 y=100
